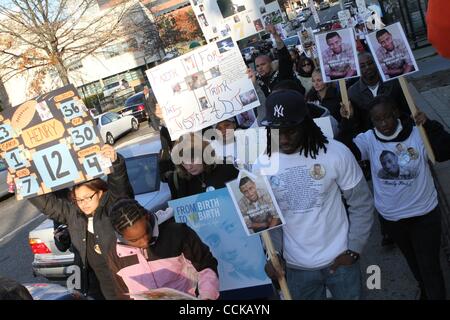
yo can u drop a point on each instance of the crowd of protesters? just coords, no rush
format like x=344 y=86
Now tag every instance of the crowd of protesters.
x=328 y=222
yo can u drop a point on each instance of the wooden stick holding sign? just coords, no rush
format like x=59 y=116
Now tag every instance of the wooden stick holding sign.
x=413 y=108
x=276 y=263
x=344 y=97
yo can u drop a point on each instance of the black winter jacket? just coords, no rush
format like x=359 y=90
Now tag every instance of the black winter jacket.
x=66 y=212
x=284 y=72
x=174 y=240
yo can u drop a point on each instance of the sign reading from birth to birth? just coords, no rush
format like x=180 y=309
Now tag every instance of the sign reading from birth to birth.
x=50 y=143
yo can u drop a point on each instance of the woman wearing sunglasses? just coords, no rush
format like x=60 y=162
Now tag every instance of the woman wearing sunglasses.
x=305 y=68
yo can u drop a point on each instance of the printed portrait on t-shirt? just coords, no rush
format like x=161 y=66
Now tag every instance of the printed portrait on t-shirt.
x=402 y=153
x=413 y=154
x=317 y=171
x=394 y=165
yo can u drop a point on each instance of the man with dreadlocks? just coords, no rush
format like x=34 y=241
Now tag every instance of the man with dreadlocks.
x=321 y=240
x=150 y=256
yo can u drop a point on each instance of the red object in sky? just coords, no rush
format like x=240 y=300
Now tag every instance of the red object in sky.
x=438 y=25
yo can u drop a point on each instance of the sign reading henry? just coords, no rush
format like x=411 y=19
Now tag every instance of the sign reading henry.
x=203 y=87
x=50 y=143
x=236 y=18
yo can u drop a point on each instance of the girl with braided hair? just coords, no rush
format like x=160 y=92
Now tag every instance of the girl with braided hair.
x=151 y=256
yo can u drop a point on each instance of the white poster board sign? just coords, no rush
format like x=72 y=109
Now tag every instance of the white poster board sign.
x=361 y=5
x=337 y=54
x=255 y=203
x=325 y=125
x=236 y=18
x=314 y=11
x=392 y=52
x=203 y=87
x=345 y=18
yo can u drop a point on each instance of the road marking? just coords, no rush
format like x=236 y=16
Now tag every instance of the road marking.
x=20 y=228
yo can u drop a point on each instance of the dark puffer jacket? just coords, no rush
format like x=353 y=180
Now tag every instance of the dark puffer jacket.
x=66 y=212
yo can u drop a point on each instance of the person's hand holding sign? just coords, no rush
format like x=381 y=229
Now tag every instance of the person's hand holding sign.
x=420 y=118
x=251 y=75
x=273 y=31
x=109 y=152
x=346 y=112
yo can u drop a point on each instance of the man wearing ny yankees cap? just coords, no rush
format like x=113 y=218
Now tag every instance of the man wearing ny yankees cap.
x=322 y=240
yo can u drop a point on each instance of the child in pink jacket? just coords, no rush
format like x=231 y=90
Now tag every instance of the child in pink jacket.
x=150 y=256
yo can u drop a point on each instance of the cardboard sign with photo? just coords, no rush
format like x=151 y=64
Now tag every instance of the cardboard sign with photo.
x=240 y=258
x=247 y=119
x=307 y=44
x=337 y=55
x=254 y=200
x=51 y=142
x=392 y=52
x=345 y=18
x=237 y=18
x=203 y=87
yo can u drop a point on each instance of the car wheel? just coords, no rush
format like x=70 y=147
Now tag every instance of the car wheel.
x=109 y=138
x=134 y=125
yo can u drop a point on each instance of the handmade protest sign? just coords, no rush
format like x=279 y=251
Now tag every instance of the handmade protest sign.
x=254 y=200
x=361 y=5
x=345 y=18
x=308 y=46
x=213 y=217
x=337 y=55
x=392 y=52
x=338 y=58
x=238 y=18
x=50 y=143
x=203 y=87
x=313 y=9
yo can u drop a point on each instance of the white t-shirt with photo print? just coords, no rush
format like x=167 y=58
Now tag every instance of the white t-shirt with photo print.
x=402 y=181
x=308 y=192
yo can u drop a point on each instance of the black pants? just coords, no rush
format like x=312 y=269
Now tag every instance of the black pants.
x=419 y=239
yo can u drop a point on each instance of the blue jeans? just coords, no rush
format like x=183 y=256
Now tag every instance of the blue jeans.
x=344 y=284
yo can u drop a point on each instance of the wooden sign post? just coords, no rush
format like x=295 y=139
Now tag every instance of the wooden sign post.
x=344 y=96
x=413 y=108
x=276 y=263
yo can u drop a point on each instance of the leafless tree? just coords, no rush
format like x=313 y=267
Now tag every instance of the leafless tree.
x=39 y=36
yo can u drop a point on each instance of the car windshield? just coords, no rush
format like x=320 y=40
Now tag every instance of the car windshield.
x=112 y=85
x=143 y=173
x=136 y=99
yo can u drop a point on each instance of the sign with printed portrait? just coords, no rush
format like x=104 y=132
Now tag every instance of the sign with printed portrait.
x=337 y=55
x=236 y=18
x=203 y=87
x=50 y=143
x=213 y=217
x=254 y=201
x=307 y=43
x=392 y=52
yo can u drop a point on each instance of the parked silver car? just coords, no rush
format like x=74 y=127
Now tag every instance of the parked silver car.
x=3 y=174
x=113 y=125
x=143 y=171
